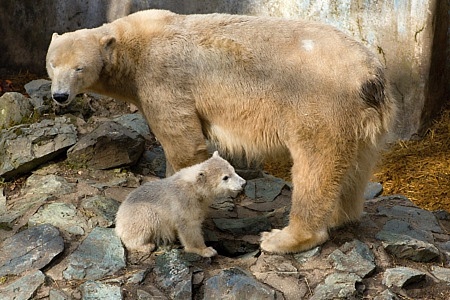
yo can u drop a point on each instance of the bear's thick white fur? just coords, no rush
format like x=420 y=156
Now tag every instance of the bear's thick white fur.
x=254 y=86
x=159 y=212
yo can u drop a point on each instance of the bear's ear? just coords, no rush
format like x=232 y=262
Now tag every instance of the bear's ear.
x=108 y=42
x=54 y=35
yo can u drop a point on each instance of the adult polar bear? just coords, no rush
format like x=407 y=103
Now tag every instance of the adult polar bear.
x=256 y=87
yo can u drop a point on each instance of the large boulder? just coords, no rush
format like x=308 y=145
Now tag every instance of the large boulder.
x=24 y=147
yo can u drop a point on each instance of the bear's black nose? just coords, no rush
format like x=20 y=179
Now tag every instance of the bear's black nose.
x=60 y=97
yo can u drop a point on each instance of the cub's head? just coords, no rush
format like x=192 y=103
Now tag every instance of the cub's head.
x=74 y=62
x=219 y=177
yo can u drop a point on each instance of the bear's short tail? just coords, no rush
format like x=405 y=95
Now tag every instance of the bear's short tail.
x=378 y=120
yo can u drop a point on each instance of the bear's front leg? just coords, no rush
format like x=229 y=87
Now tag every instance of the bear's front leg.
x=181 y=136
x=191 y=238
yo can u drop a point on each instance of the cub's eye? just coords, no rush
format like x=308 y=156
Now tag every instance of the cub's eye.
x=225 y=178
x=79 y=69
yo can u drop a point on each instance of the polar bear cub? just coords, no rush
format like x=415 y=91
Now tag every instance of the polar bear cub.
x=160 y=211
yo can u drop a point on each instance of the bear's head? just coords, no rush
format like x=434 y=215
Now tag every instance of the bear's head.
x=218 y=177
x=74 y=62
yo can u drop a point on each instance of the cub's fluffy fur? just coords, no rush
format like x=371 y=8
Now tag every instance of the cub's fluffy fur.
x=160 y=211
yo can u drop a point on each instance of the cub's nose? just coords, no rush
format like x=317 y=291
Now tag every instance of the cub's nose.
x=243 y=183
x=60 y=97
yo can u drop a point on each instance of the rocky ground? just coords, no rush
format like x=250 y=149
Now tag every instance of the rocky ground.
x=65 y=172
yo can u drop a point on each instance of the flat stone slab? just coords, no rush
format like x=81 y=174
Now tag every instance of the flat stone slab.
x=418 y=218
x=47 y=184
x=234 y=283
x=62 y=215
x=24 y=287
x=174 y=275
x=252 y=225
x=354 y=257
x=403 y=246
x=15 y=108
x=402 y=276
x=110 y=145
x=93 y=290
x=101 y=210
x=264 y=189
x=337 y=286
x=25 y=147
x=99 y=255
x=30 y=249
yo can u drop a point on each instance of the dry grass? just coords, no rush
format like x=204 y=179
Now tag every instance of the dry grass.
x=419 y=170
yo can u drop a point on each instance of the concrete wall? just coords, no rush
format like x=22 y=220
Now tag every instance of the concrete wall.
x=412 y=37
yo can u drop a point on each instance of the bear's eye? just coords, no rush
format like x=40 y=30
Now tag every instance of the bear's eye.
x=225 y=178
x=79 y=69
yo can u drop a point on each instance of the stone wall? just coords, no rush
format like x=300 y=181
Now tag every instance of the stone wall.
x=412 y=37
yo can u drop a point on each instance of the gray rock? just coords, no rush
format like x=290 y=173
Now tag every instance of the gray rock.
x=152 y=293
x=15 y=109
x=40 y=93
x=96 y=290
x=24 y=147
x=62 y=215
x=58 y=295
x=442 y=215
x=279 y=272
x=110 y=145
x=235 y=247
x=223 y=203
x=441 y=273
x=402 y=276
x=418 y=218
x=30 y=249
x=173 y=274
x=354 y=257
x=264 y=189
x=373 y=190
x=47 y=184
x=24 y=287
x=303 y=257
x=137 y=277
x=403 y=246
x=337 y=286
x=100 y=254
x=152 y=162
x=135 y=122
x=21 y=206
x=386 y=295
x=101 y=209
x=235 y=284
x=253 y=225
x=404 y=228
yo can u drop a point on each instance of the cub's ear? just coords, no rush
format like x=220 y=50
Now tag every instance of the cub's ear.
x=201 y=177
x=54 y=35
x=108 y=42
x=216 y=154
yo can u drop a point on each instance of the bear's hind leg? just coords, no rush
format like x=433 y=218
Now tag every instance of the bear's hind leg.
x=317 y=177
x=354 y=184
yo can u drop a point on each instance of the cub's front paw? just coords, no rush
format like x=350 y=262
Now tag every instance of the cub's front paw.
x=209 y=252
